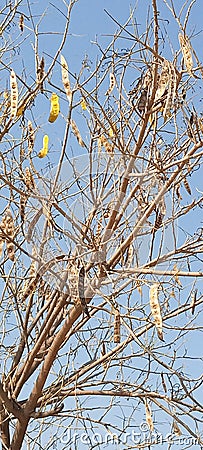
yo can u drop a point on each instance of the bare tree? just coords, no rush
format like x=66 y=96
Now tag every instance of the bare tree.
x=101 y=235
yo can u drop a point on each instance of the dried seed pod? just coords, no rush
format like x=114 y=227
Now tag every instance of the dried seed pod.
x=2 y=237
x=103 y=352
x=169 y=103
x=77 y=133
x=148 y=416
x=23 y=201
x=187 y=186
x=139 y=287
x=31 y=136
x=163 y=80
x=176 y=277
x=29 y=180
x=65 y=78
x=112 y=83
x=117 y=325
x=99 y=144
x=9 y=230
x=14 y=94
x=187 y=52
x=31 y=287
x=40 y=73
x=141 y=106
x=163 y=382
x=33 y=223
x=155 y=309
x=176 y=429
x=73 y=281
x=81 y=290
x=193 y=301
x=108 y=147
x=129 y=255
x=55 y=108
x=43 y=152
x=158 y=221
x=21 y=23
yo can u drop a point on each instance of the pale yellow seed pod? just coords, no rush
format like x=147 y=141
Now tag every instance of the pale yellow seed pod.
x=43 y=152
x=55 y=108
x=65 y=78
x=187 y=53
x=14 y=94
x=155 y=309
x=77 y=133
x=9 y=229
x=112 y=83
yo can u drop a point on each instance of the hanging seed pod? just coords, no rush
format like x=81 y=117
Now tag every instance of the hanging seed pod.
x=33 y=223
x=117 y=325
x=77 y=133
x=163 y=80
x=187 y=52
x=155 y=309
x=103 y=352
x=31 y=287
x=187 y=186
x=14 y=94
x=2 y=236
x=148 y=416
x=169 y=103
x=176 y=277
x=112 y=83
x=139 y=287
x=99 y=144
x=43 y=152
x=108 y=147
x=99 y=230
x=129 y=255
x=9 y=230
x=193 y=301
x=73 y=281
x=158 y=221
x=83 y=104
x=55 y=108
x=65 y=78
x=176 y=429
x=23 y=201
x=29 y=180
x=142 y=102
x=40 y=73
x=21 y=23
x=81 y=290
x=163 y=383
x=31 y=136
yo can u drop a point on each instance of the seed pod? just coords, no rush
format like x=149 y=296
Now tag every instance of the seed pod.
x=77 y=133
x=108 y=147
x=176 y=429
x=29 y=180
x=9 y=230
x=54 y=112
x=129 y=255
x=149 y=416
x=21 y=23
x=117 y=325
x=31 y=287
x=163 y=80
x=81 y=290
x=112 y=83
x=14 y=94
x=163 y=382
x=155 y=309
x=193 y=301
x=83 y=104
x=65 y=78
x=31 y=136
x=169 y=103
x=2 y=237
x=73 y=281
x=23 y=201
x=40 y=73
x=43 y=152
x=103 y=352
x=158 y=221
x=139 y=287
x=176 y=277
x=187 y=186
x=187 y=53
x=142 y=101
